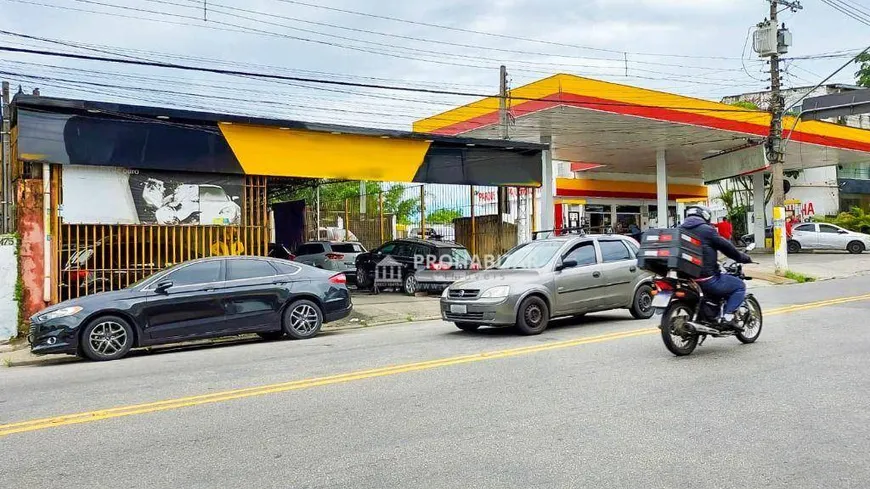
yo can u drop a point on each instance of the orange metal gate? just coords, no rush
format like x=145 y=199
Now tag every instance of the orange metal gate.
x=93 y=258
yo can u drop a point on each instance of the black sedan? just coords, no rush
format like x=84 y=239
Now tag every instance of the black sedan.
x=204 y=298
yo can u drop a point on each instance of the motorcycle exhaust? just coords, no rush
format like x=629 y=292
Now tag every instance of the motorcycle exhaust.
x=700 y=328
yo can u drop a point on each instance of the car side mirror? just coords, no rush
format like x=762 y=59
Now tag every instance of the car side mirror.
x=235 y=197
x=162 y=287
x=566 y=264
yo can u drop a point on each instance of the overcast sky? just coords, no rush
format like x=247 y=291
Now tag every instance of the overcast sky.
x=691 y=47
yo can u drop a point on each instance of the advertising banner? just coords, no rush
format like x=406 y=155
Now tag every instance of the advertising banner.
x=107 y=195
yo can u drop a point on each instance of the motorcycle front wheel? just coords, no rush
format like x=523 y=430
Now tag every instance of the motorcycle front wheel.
x=752 y=322
x=675 y=334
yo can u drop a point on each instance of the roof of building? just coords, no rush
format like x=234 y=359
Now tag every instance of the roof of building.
x=83 y=132
x=170 y=115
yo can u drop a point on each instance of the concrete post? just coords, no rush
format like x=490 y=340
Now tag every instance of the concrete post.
x=661 y=189
x=548 y=186
x=758 y=209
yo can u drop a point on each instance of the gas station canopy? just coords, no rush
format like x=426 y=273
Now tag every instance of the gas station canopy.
x=613 y=128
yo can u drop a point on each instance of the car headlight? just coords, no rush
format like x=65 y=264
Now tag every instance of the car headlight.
x=60 y=313
x=446 y=291
x=496 y=292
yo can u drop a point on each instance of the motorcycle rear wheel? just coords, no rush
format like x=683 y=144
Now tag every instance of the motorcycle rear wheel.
x=678 y=344
x=750 y=334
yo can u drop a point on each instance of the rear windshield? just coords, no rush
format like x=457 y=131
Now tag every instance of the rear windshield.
x=347 y=248
x=457 y=255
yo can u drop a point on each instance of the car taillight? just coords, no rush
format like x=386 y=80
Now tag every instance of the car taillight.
x=438 y=266
x=291 y=257
x=334 y=256
x=340 y=279
x=475 y=266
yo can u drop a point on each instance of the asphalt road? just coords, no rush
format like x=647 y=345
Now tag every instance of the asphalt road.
x=596 y=403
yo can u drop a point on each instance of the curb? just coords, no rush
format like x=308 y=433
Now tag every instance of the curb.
x=59 y=359
x=772 y=278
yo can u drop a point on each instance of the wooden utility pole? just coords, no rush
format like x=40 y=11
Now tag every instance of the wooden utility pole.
x=6 y=154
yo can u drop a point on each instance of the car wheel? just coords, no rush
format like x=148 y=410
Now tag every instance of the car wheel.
x=533 y=316
x=107 y=338
x=641 y=306
x=302 y=319
x=467 y=326
x=410 y=284
x=855 y=247
x=793 y=247
x=271 y=335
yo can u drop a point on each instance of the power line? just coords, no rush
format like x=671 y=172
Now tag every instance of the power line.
x=490 y=34
x=195 y=4
x=848 y=11
x=305 y=79
x=412 y=53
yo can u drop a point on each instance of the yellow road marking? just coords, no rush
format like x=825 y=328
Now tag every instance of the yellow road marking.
x=91 y=416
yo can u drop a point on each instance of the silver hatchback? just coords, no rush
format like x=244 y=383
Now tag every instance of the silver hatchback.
x=556 y=277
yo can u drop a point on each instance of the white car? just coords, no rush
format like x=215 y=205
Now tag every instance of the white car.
x=821 y=236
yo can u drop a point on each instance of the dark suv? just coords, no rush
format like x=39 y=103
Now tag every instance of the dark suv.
x=409 y=256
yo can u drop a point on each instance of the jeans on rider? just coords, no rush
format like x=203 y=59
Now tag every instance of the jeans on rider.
x=726 y=286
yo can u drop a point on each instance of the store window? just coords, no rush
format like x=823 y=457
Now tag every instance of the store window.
x=600 y=218
x=627 y=218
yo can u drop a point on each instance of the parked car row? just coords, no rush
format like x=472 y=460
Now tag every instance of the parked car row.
x=294 y=294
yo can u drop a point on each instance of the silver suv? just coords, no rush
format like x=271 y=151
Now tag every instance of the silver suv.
x=337 y=256
x=556 y=277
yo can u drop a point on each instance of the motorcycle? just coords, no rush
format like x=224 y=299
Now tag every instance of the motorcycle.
x=689 y=317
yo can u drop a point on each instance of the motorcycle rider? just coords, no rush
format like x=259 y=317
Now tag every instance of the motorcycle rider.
x=712 y=282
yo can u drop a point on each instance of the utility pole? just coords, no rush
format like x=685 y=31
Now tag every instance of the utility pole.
x=772 y=41
x=501 y=194
x=6 y=153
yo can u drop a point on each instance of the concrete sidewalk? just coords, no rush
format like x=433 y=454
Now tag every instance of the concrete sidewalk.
x=818 y=265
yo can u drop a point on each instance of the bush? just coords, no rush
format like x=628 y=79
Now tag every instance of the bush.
x=854 y=220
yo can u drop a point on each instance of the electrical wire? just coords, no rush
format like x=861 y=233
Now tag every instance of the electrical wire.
x=405 y=52
x=177 y=66
x=197 y=5
x=495 y=35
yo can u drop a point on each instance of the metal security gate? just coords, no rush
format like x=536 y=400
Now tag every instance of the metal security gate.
x=92 y=258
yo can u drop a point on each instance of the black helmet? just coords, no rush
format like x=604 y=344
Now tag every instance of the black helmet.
x=700 y=211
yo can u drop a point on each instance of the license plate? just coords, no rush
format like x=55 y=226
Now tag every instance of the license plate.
x=458 y=308
x=662 y=299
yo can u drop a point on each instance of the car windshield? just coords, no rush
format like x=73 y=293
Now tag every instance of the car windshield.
x=528 y=256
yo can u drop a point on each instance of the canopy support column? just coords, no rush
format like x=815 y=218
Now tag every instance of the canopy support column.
x=661 y=189
x=758 y=210
x=548 y=186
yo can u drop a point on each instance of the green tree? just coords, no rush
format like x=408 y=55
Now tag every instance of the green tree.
x=443 y=216
x=745 y=104
x=333 y=195
x=862 y=76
